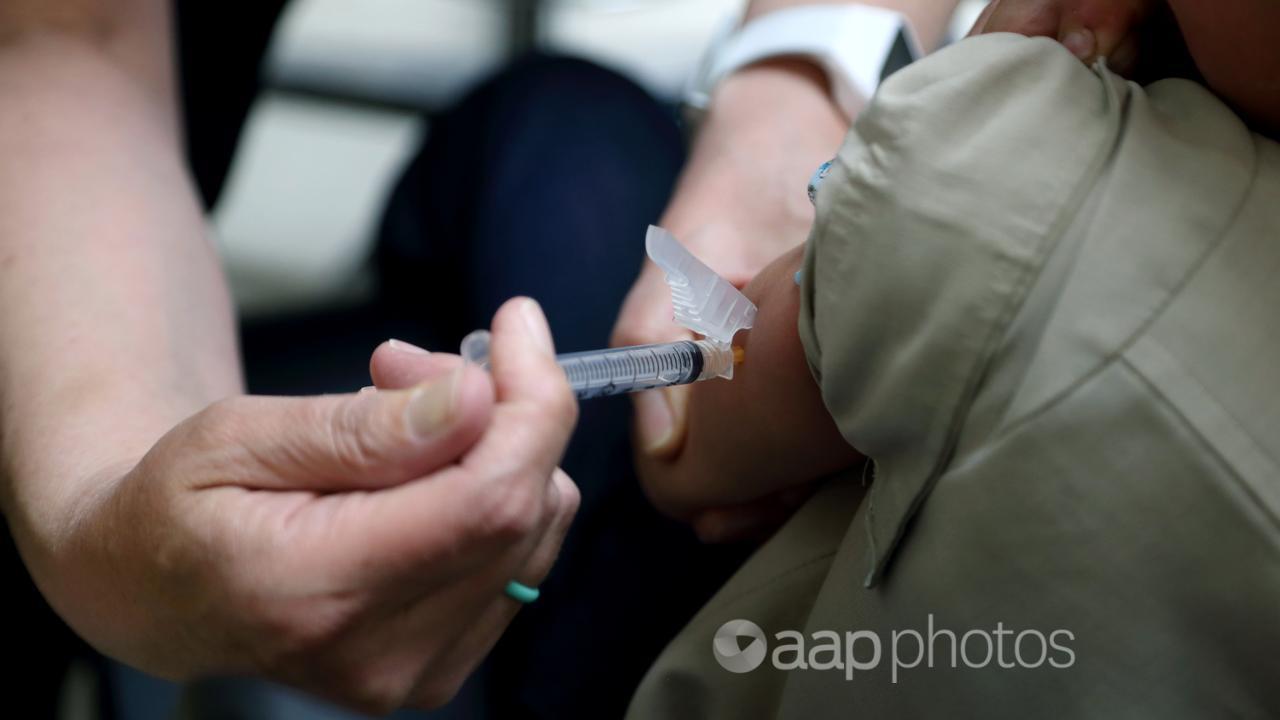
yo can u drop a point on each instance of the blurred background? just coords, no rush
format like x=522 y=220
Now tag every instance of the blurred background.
x=343 y=102
x=346 y=88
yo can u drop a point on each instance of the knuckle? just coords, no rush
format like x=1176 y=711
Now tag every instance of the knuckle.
x=297 y=638
x=216 y=425
x=553 y=406
x=563 y=408
x=531 y=427
x=568 y=496
x=516 y=518
x=350 y=436
x=570 y=500
x=219 y=411
x=511 y=512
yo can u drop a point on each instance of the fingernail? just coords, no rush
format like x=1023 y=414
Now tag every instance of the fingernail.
x=1080 y=42
x=368 y=389
x=431 y=406
x=404 y=347
x=536 y=323
x=654 y=421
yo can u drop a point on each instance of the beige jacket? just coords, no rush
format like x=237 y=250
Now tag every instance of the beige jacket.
x=1045 y=302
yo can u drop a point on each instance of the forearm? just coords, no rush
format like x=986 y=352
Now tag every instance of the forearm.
x=769 y=127
x=114 y=319
x=780 y=115
x=740 y=203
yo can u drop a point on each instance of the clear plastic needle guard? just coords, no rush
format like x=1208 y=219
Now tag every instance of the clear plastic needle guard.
x=703 y=301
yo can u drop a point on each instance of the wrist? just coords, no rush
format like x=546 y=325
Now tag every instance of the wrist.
x=48 y=512
x=770 y=125
x=794 y=89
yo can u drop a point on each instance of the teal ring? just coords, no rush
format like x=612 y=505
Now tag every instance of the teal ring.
x=522 y=593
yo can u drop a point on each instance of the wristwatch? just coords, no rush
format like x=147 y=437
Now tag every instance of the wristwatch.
x=856 y=45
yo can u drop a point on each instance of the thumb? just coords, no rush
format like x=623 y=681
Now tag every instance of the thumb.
x=348 y=442
x=660 y=421
x=1105 y=28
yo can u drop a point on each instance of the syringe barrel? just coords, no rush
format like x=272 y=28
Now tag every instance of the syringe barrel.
x=644 y=367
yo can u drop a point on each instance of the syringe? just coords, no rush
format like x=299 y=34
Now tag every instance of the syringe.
x=601 y=373
x=701 y=301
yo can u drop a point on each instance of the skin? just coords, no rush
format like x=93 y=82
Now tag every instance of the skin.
x=740 y=204
x=1088 y=28
x=186 y=529
x=354 y=546
x=1236 y=46
x=772 y=406
x=739 y=201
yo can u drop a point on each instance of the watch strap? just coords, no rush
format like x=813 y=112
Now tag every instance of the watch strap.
x=852 y=43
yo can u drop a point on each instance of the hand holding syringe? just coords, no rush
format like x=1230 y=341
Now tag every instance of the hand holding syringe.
x=704 y=303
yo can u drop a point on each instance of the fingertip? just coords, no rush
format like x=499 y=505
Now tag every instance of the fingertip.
x=524 y=362
x=568 y=494
x=535 y=323
x=660 y=423
x=405 y=348
x=1104 y=30
x=1080 y=42
x=379 y=361
x=393 y=366
x=678 y=399
x=443 y=417
x=522 y=318
x=474 y=402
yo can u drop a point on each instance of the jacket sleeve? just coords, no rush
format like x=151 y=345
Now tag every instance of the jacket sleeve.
x=936 y=220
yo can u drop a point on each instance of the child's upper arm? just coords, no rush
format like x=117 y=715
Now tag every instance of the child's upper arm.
x=765 y=430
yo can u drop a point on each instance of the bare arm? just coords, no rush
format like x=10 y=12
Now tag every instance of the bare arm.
x=765 y=433
x=741 y=203
x=188 y=534
x=114 y=319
